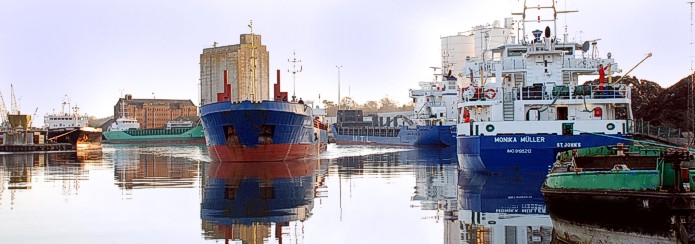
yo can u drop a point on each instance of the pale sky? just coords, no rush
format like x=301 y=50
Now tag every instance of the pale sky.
x=95 y=50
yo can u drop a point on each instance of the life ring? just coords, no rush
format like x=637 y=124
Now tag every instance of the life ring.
x=489 y=128
x=610 y=126
x=490 y=93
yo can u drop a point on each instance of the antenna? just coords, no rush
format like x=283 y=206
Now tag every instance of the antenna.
x=339 y=67
x=62 y=108
x=691 y=93
x=294 y=71
x=525 y=15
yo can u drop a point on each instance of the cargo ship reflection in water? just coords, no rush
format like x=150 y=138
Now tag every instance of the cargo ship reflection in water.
x=146 y=167
x=435 y=192
x=503 y=209
x=253 y=202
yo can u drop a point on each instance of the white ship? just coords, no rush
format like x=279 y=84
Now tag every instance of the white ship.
x=72 y=127
x=525 y=103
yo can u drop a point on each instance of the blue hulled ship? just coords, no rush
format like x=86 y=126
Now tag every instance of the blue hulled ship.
x=432 y=123
x=241 y=123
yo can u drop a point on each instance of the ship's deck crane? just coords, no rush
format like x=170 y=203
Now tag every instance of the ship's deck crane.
x=628 y=72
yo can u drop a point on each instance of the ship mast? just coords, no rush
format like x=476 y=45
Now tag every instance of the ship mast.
x=691 y=101
x=552 y=7
x=253 y=63
x=294 y=71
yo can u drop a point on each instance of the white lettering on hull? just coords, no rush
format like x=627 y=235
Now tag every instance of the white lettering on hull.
x=523 y=150
x=568 y=144
x=507 y=139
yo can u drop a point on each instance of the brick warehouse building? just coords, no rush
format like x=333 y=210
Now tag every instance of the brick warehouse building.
x=225 y=71
x=154 y=113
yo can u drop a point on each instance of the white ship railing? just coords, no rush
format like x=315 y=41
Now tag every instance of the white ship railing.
x=516 y=64
x=607 y=91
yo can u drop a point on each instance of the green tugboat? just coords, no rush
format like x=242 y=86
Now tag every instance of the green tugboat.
x=621 y=194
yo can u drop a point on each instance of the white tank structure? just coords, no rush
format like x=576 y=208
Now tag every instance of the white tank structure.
x=472 y=44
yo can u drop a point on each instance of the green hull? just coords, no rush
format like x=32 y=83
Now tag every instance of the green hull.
x=636 y=180
x=639 y=168
x=193 y=135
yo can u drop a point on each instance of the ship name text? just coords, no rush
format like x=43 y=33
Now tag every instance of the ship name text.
x=569 y=144
x=520 y=139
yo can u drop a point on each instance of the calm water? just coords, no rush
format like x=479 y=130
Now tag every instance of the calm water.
x=173 y=194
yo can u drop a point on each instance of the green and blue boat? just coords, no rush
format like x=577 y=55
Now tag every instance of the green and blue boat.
x=622 y=194
x=126 y=131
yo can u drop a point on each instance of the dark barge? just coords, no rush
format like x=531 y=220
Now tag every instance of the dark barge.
x=622 y=195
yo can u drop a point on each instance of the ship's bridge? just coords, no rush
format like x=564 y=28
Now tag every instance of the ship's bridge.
x=538 y=63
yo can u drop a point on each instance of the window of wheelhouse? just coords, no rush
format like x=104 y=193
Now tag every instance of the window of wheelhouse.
x=515 y=52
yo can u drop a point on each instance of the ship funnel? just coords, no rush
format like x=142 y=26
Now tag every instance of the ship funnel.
x=547 y=32
x=537 y=35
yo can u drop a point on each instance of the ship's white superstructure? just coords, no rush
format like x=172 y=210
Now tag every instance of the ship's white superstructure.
x=525 y=102
x=123 y=124
x=435 y=102
x=66 y=118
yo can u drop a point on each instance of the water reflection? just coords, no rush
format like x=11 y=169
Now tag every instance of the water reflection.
x=503 y=209
x=358 y=195
x=437 y=188
x=141 y=167
x=435 y=194
x=250 y=202
x=20 y=171
x=385 y=161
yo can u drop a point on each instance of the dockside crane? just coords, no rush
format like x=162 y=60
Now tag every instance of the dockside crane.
x=13 y=101
x=31 y=119
x=3 y=113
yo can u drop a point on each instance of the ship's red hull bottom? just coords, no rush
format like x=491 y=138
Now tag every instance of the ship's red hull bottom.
x=264 y=153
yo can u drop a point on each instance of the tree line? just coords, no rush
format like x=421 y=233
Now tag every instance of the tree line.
x=384 y=105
